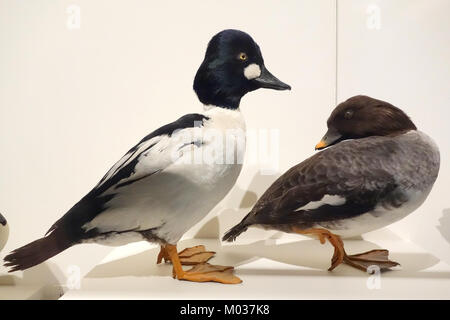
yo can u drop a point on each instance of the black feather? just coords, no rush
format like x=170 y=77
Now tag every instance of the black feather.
x=234 y=232
x=37 y=251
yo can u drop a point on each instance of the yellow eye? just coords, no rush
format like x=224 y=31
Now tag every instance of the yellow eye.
x=242 y=56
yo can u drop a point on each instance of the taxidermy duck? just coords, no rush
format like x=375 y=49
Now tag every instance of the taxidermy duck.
x=4 y=231
x=376 y=169
x=163 y=186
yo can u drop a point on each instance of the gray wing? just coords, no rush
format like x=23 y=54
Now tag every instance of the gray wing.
x=350 y=170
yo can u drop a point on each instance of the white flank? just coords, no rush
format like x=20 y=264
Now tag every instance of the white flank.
x=379 y=217
x=116 y=239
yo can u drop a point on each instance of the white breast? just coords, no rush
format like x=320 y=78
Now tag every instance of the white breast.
x=210 y=180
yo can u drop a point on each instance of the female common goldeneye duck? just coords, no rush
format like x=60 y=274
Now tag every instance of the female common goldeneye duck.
x=4 y=231
x=382 y=172
x=156 y=192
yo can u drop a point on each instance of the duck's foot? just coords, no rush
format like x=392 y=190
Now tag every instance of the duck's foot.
x=201 y=272
x=360 y=261
x=195 y=255
x=189 y=256
x=206 y=272
x=363 y=261
x=162 y=255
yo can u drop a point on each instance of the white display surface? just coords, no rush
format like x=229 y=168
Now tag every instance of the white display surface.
x=21 y=292
x=290 y=267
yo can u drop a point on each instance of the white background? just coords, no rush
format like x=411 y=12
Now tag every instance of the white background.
x=72 y=102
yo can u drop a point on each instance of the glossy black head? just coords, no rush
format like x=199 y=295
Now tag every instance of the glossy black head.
x=361 y=117
x=233 y=66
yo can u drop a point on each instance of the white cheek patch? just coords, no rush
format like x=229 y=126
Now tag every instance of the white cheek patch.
x=252 y=71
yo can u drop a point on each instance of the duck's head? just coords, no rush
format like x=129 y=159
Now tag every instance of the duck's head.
x=363 y=116
x=233 y=66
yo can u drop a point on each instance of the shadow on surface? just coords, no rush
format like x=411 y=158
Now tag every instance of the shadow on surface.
x=305 y=253
x=41 y=275
x=258 y=185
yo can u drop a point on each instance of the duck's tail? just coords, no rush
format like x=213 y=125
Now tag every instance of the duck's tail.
x=38 y=251
x=234 y=232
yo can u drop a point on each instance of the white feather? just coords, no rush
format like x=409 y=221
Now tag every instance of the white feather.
x=326 y=199
x=252 y=71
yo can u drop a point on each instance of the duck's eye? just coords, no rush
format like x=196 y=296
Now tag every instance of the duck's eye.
x=348 y=114
x=243 y=56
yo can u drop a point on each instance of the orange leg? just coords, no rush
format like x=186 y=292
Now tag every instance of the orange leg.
x=360 y=261
x=188 y=257
x=162 y=255
x=203 y=272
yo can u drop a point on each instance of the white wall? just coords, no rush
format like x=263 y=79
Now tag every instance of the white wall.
x=73 y=101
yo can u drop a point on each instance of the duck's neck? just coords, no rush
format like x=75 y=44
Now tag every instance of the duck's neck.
x=222 y=118
x=210 y=108
x=214 y=89
x=220 y=100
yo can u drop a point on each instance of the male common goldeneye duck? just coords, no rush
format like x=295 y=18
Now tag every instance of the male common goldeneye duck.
x=233 y=66
x=4 y=231
x=382 y=172
x=156 y=192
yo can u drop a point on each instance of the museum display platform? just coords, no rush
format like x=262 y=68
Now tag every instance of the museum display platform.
x=281 y=267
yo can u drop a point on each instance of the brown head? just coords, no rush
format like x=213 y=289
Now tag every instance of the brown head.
x=362 y=116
